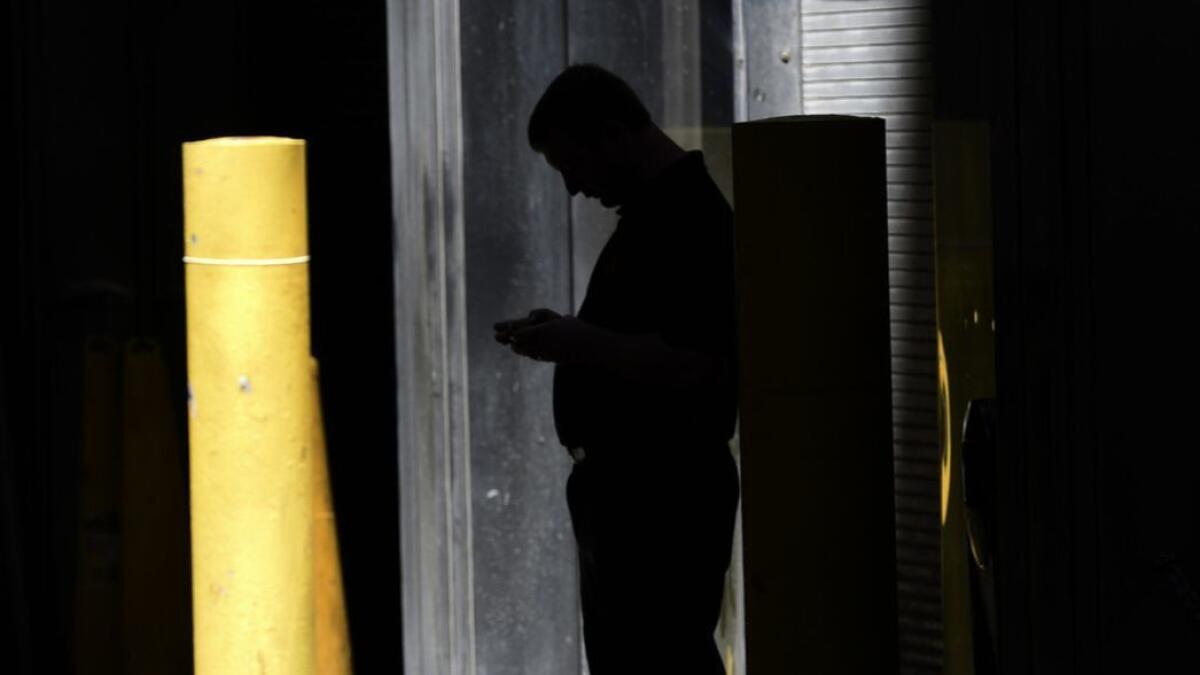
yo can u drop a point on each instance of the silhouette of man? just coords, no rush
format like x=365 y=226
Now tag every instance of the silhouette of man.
x=644 y=383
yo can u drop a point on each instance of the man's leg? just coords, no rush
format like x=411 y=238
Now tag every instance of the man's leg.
x=654 y=546
x=601 y=620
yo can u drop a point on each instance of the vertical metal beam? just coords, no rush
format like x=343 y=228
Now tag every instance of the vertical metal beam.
x=768 y=65
x=681 y=114
x=434 y=445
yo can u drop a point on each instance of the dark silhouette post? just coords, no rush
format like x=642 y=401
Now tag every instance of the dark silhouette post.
x=818 y=517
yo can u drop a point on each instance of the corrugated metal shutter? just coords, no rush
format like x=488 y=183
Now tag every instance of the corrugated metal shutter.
x=872 y=58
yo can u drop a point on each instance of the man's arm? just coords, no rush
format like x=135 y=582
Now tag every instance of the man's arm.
x=643 y=358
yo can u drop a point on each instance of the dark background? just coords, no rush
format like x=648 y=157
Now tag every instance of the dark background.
x=100 y=97
x=1093 y=188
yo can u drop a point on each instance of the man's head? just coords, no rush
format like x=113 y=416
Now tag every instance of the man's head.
x=589 y=126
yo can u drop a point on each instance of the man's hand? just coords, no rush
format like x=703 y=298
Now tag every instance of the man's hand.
x=561 y=340
x=546 y=336
x=505 y=329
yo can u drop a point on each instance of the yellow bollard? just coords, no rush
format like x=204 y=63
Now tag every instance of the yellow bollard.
x=332 y=638
x=251 y=398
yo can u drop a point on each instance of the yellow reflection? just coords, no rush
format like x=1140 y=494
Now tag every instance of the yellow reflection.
x=945 y=417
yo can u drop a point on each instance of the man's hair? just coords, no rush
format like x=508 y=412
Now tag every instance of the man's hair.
x=580 y=101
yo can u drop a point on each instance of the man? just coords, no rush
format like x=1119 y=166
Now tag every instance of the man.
x=645 y=381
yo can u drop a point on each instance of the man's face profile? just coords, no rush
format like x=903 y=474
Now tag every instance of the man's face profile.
x=585 y=168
